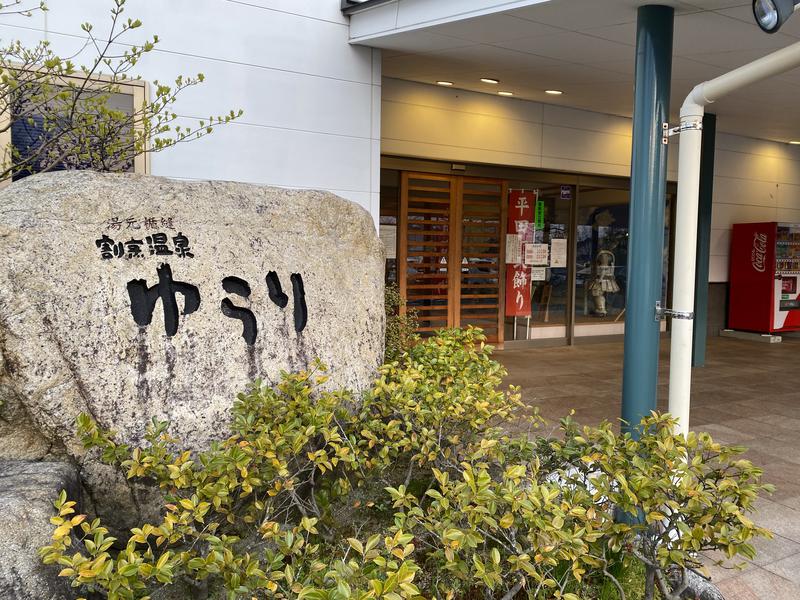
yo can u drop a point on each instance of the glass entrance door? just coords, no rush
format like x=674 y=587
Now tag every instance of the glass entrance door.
x=601 y=260
x=547 y=283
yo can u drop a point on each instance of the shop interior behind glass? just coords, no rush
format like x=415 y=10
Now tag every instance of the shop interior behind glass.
x=541 y=256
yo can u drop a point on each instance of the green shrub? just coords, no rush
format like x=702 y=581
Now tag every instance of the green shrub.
x=682 y=496
x=401 y=326
x=415 y=490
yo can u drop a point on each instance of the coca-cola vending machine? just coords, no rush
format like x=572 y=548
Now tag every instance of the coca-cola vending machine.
x=765 y=277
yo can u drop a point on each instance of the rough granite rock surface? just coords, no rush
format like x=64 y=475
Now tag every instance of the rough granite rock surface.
x=69 y=342
x=27 y=491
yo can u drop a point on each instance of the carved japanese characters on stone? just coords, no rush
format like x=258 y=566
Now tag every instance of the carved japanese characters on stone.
x=131 y=297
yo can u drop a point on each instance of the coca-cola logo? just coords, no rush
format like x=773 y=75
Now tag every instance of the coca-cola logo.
x=758 y=255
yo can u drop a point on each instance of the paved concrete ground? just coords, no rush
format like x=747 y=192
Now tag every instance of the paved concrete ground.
x=748 y=394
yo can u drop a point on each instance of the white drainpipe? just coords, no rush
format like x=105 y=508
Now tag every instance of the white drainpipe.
x=680 y=363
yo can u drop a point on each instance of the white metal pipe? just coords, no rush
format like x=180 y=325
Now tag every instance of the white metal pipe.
x=767 y=66
x=680 y=366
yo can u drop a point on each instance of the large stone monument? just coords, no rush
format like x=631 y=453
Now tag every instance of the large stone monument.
x=131 y=297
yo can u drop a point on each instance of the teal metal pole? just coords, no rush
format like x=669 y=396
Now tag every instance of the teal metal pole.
x=648 y=202
x=704 y=240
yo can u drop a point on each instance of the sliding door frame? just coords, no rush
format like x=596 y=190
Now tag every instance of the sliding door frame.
x=455 y=246
x=500 y=173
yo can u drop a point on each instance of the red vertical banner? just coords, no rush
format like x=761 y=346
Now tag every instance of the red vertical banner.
x=521 y=204
x=518 y=291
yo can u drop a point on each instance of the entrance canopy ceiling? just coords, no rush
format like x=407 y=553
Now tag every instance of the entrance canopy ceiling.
x=586 y=48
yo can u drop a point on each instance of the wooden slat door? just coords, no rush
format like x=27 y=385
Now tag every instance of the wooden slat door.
x=451 y=251
x=482 y=247
x=425 y=253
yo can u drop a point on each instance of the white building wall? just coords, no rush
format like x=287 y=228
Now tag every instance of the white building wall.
x=755 y=180
x=311 y=100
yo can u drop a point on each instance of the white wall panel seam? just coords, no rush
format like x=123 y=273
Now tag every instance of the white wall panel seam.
x=741 y=204
x=585 y=160
x=735 y=178
x=288 y=12
x=462 y=146
x=769 y=148
x=463 y=112
x=238 y=123
x=203 y=57
x=759 y=154
x=626 y=136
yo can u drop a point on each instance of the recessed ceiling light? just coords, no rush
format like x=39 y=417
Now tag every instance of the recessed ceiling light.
x=553 y=92
x=795 y=142
x=490 y=80
x=505 y=93
x=445 y=83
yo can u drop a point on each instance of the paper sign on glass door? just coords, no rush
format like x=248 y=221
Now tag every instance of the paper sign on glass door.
x=388 y=235
x=538 y=273
x=513 y=249
x=558 y=253
x=537 y=254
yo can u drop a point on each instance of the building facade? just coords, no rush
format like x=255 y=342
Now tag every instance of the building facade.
x=347 y=97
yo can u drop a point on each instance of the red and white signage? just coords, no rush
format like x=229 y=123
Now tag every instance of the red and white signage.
x=765 y=277
x=758 y=255
x=518 y=291
x=521 y=205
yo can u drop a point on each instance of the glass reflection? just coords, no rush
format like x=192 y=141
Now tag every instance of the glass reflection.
x=602 y=255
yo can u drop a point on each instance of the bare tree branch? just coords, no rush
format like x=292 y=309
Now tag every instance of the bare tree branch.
x=67 y=114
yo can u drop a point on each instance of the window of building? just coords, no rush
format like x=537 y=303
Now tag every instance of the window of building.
x=38 y=142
